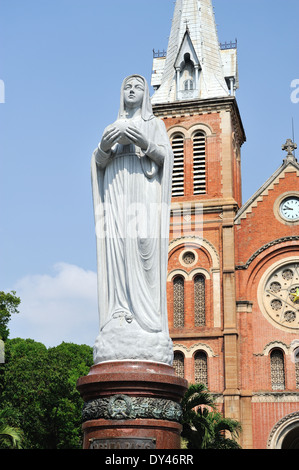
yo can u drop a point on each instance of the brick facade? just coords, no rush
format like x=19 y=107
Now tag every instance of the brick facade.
x=233 y=273
x=233 y=246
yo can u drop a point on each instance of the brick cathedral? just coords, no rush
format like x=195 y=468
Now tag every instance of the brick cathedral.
x=233 y=277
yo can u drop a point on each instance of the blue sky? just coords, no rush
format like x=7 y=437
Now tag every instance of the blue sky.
x=62 y=63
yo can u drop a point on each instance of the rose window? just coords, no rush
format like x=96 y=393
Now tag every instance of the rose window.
x=280 y=298
x=189 y=257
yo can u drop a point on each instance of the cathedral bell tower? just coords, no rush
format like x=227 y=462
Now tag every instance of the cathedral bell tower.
x=195 y=83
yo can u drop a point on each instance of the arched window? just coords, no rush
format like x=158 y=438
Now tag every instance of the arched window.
x=177 y=143
x=199 y=300
x=178 y=364
x=199 y=163
x=277 y=370
x=201 y=368
x=188 y=84
x=178 y=302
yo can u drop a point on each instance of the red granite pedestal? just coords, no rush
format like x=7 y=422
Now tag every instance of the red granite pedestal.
x=131 y=405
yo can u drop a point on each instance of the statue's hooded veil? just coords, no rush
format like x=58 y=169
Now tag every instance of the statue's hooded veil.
x=156 y=132
x=146 y=109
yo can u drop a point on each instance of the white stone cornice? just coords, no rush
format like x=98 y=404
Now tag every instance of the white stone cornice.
x=275 y=397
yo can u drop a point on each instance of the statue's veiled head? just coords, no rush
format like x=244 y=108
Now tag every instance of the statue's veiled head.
x=135 y=94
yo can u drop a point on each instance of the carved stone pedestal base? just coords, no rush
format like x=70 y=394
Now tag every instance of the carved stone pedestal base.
x=131 y=405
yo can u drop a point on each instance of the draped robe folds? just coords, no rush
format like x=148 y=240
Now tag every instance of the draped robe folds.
x=131 y=193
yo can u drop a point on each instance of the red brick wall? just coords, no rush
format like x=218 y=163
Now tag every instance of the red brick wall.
x=258 y=228
x=212 y=231
x=265 y=416
x=261 y=226
x=203 y=262
x=213 y=154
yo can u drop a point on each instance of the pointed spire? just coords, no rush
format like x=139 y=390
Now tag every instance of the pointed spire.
x=194 y=66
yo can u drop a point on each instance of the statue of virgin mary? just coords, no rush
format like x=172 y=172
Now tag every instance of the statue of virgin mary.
x=131 y=184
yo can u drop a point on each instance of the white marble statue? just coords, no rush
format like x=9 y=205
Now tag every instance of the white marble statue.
x=131 y=182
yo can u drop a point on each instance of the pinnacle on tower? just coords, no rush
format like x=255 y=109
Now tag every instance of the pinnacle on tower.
x=195 y=66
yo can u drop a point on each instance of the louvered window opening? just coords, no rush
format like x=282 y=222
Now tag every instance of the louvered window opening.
x=201 y=368
x=199 y=163
x=277 y=370
x=178 y=364
x=178 y=166
x=199 y=301
x=178 y=302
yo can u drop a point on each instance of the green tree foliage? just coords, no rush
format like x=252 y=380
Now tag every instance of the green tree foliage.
x=38 y=391
x=39 y=396
x=203 y=426
x=8 y=305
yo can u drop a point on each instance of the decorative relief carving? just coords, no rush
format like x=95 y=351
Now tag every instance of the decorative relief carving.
x=188 y=352
x=277 y=370
x=296 y=356
x=121 y=407
x=199 y=301
x=272 y=345
x=275 y=397
x=201 y=368
x=178 y=364
x=178 y=302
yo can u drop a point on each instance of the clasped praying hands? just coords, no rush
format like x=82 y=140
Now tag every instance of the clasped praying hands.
x=111 y=137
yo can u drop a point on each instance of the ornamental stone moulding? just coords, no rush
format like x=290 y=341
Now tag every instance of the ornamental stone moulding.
x=189 y=352
x=264 y=248
x=197 y=242
x=124 y=407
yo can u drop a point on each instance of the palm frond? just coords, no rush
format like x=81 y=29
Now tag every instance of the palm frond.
x=203 y=426
x=10 y=435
